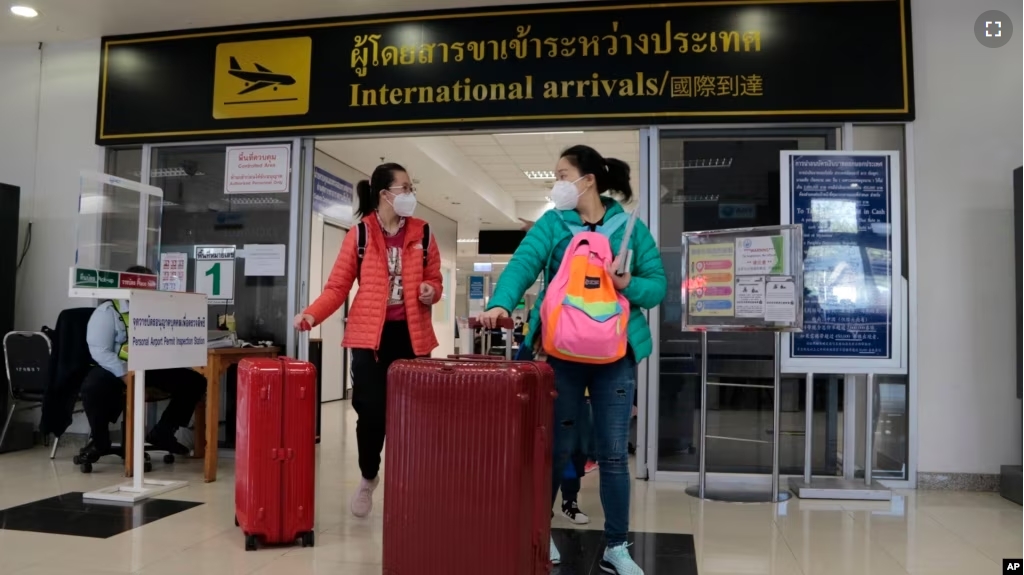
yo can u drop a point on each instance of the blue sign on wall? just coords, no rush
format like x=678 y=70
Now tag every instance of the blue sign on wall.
x=476 y=287
x=845 y=206
x=332 y=196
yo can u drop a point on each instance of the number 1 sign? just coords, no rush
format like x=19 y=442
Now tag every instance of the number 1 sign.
x=215 y=273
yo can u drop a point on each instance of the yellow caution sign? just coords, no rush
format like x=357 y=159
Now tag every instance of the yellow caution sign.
x=262 y=78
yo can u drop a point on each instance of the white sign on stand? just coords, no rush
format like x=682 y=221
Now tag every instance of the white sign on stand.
x=165 y=331
x=257 y=170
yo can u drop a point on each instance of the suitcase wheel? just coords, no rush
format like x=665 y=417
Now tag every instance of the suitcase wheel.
x=85 y=467
x=169 y=458
x=250 y=542
x=237 y=524
x=307 y=539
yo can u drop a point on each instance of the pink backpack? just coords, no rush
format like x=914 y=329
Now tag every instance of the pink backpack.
x=583 y=317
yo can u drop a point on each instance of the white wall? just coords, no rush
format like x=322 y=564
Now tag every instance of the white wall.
x=19 y=95
x=968 y=141
x=47 y=159
x=47 y=130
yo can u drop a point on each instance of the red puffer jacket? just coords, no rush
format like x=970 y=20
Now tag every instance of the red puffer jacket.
x=366 y=316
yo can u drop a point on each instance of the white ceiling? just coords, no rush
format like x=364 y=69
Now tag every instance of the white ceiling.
x=506 y=157
x=478 y=180
x=67 y=20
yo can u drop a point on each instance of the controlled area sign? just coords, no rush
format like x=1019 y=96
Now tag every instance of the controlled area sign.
x=606 y=63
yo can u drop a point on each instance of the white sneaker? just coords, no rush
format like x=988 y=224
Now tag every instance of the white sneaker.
x=617 y=561
x=555 y=556
x=362 y=499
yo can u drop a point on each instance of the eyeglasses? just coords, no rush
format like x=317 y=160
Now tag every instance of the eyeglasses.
x=407 y=189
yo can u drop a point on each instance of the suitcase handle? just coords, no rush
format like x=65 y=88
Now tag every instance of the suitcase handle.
x=505 y=324
x=475 y=357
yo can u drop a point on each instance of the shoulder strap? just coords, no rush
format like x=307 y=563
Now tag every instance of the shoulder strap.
x=613 y=224
x=360 y=246
x=426 y=245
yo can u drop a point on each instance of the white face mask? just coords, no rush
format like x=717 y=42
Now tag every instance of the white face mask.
x=564 y=194
x=404 y=205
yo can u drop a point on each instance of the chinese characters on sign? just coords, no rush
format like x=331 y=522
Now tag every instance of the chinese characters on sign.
x=709 y=86
x=844 y=205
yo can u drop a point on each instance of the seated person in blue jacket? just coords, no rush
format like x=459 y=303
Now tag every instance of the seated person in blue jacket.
x=104 y=386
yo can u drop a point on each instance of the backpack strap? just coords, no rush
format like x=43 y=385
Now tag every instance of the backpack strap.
x=426 y=245
x=362 y=239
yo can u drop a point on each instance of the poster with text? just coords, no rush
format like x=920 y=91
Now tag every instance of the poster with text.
x=166 y=331
x=215 y=273
x=760 y=255
x=257 y=169
x=174 y=272
x=711 y=274
x=848 y=206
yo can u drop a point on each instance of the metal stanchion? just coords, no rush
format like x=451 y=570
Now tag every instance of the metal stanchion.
x=841 y=488
x=808 y=428
x=869 y=428
x=776 y=417
x=701 y=469
x=738 y=494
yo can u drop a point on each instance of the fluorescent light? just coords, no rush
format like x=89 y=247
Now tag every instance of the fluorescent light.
x=541 y=175
x=483 y=267
x=539 y=133
x=24 y=11
x=469 y=240
x=178 y=172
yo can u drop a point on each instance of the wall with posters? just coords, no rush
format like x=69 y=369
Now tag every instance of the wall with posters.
x=967 y=143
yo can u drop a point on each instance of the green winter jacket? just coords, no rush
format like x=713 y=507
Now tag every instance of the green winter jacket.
x=542 y=250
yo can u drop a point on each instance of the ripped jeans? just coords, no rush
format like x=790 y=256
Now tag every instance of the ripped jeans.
x=611 y=399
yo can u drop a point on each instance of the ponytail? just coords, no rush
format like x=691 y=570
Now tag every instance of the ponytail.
x=610 y=174
x=368 y=191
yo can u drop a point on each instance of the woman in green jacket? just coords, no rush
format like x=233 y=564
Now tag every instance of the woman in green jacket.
x=583 y=179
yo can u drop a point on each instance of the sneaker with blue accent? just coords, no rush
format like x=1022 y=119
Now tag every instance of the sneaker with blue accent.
x=555 y=556
x=617 y=561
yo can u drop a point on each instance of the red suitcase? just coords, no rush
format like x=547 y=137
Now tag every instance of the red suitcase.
x=275 y=465
x=467 y=480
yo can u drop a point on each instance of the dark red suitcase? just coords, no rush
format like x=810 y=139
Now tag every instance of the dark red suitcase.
x=467 y=479
x=275 y=465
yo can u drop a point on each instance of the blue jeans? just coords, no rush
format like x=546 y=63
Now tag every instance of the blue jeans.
x=611 y=401
x=584 y=445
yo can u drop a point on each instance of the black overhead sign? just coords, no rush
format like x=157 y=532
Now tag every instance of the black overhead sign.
x=563 y=65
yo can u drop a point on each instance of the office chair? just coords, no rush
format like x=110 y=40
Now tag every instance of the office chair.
x=27 y=359
x=152 y=396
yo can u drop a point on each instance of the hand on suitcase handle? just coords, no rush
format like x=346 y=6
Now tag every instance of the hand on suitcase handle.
x=501 y=323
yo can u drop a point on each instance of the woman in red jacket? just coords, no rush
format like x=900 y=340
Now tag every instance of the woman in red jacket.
x=390 y=318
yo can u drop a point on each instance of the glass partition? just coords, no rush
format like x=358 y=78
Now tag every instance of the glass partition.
x=721 y=179
x=205 y=217
x=118 y=224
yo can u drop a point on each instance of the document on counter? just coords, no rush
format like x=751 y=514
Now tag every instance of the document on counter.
x=264 y=259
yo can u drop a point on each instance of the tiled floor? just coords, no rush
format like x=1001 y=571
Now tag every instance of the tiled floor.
x=918 y=533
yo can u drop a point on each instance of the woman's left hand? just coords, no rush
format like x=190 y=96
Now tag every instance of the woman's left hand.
x=620 y=282
x=426 y=294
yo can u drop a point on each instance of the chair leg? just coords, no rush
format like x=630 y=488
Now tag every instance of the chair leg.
x=10 y=416
x=53 y=450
